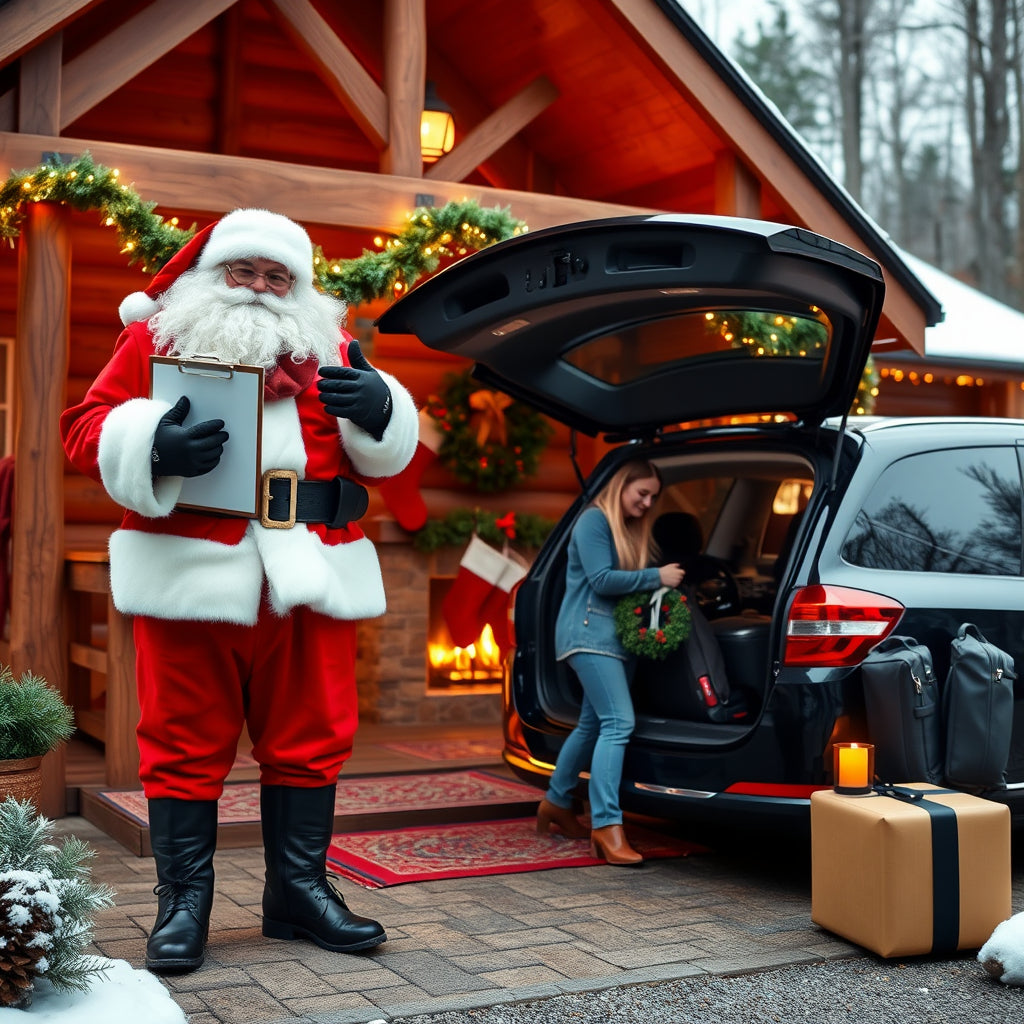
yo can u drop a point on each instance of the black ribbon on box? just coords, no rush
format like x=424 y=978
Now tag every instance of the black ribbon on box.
x=945 y=863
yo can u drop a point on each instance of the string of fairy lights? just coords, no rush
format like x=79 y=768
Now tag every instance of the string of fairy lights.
x=429 y=235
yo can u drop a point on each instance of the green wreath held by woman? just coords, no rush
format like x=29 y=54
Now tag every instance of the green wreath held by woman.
x=652 y=624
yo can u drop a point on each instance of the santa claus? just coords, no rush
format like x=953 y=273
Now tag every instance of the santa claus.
x=245 y=621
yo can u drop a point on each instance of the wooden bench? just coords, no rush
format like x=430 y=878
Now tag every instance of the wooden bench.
x=101 y=660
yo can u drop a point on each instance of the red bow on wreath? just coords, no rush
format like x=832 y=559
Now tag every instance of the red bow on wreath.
x=508 y=524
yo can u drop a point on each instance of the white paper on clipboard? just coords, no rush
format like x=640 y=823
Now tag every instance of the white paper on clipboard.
x=231 y=392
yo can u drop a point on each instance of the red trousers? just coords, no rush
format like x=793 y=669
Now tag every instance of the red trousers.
x=290 y=679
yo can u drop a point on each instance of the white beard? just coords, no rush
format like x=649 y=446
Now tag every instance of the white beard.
x=201 y=315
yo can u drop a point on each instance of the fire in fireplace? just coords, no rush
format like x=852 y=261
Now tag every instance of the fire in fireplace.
x=450 y=666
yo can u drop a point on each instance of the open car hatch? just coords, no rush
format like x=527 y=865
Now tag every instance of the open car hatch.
x=628 y=325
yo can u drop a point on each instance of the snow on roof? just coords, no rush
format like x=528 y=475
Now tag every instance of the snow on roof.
x=977 y=328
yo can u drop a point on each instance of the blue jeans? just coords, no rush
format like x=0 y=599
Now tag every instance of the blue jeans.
x=599 y=739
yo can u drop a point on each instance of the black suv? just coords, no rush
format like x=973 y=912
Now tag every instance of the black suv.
x=728 y=352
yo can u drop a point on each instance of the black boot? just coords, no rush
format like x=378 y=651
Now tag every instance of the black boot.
x=298 y=901
x=184 y=836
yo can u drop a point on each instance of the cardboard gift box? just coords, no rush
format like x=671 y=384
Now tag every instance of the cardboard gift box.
x=927 y=871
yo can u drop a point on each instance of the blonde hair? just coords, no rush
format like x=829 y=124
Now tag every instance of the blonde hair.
x=634 y=545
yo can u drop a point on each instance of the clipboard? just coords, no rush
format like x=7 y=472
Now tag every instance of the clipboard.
x=232 y=392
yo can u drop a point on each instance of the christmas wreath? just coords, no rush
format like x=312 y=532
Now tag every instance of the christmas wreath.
x=652 y=625
x=487 y=439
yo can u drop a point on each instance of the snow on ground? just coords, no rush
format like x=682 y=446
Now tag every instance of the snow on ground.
x=122 y=994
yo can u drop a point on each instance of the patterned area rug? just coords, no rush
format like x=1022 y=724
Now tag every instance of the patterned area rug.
x=448 y=750
x=379 y=859
x=362 y=794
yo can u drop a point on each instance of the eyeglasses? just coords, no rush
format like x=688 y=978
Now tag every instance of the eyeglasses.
x=276 y=280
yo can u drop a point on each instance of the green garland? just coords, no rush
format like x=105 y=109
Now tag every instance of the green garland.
x=772 y=334
x=429 y=236
x=457 y=527
x=84 y=185
x=632 y=623
x=499 y=463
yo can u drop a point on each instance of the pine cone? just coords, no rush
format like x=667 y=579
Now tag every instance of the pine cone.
x=20 y=952
x=18 y=975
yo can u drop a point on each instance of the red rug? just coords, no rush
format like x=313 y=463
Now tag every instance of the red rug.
x=449 y=750
x=421 y=854
x=361 y=794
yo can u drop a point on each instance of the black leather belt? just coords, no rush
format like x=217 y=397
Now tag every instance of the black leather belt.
x=287 y=500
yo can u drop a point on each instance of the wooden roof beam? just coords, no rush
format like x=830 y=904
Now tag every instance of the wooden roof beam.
x=39 y=87
x=405 y=64
x=515 y=165
x=341 y=71
x=24 y=22
x=129 y=49
x=737 y=188
x=494 y=131
x=177 y=180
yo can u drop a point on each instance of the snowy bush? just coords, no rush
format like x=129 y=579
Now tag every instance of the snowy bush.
x=47 y=905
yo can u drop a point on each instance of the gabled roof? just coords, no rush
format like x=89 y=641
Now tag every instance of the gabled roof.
x=565 y=111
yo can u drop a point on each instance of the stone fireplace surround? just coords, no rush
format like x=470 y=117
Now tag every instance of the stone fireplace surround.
x=391 y=665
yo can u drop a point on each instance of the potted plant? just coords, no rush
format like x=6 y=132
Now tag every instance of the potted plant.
x=34 y=719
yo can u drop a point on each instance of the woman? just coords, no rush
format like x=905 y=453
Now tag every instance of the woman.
x=609 y=552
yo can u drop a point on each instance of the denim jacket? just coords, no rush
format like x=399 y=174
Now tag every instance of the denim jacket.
x=593 y=586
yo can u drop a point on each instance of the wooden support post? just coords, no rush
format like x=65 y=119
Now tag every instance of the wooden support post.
x=737 y=190
x=38 y=635
x=405 y=63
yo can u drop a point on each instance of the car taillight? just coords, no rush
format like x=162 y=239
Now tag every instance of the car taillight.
x=837 y=626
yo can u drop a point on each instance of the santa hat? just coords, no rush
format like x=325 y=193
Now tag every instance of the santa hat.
x=242 y=234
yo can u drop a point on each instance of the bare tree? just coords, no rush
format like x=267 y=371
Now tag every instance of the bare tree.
x=1017 y=64
x=986 y=35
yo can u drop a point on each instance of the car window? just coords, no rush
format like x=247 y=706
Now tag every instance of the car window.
x=790 y=500
x=953 y=511
x=702 y=497
x=634 y=351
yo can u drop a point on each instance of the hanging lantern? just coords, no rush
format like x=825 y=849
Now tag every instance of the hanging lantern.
x=437 y=127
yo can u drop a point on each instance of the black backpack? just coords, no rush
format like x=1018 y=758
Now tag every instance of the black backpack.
x=691 y=683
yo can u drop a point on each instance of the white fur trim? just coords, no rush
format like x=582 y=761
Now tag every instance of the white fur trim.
x=394 y=451
x=514 y=572
x=283 y=447
x=430 y=434
x=1002 y=956
x=259 y=234
x=137 y=306
x=185 y=577
x=342 y=581
x=126 y=459
x=482 y=560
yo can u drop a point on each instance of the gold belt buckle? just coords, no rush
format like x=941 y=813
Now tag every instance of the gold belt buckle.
x=293 y=492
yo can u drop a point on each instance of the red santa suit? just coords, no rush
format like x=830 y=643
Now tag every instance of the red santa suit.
x=234 y=621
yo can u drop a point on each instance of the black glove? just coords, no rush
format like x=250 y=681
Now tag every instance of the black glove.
x=357 y=393
x=186 y=451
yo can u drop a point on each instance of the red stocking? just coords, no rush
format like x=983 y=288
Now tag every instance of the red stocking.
x=496 y=606
x=401 y=493
x=463 y=607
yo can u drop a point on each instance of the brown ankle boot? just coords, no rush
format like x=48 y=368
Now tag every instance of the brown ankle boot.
x=610 y=843
x=549 y=814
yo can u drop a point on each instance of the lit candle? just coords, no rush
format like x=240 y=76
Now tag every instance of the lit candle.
x=853 y=767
